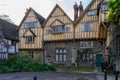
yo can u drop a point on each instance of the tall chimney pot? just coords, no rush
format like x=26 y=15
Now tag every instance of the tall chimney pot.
x=75 y=11
x=80 y=8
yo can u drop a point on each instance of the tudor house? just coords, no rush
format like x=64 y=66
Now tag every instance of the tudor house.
x=8 y=39
x=30 y=33
x=64 y=38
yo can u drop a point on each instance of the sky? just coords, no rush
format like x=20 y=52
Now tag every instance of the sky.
x=16 y=8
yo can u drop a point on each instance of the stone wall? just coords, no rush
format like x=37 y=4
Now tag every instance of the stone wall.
x=50 y=51
x=98 y=48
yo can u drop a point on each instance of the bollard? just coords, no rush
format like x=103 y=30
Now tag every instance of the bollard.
x=105 y=74
x=35 y=78
x=116 y=75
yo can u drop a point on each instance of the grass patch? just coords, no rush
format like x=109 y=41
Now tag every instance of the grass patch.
x=74 y=69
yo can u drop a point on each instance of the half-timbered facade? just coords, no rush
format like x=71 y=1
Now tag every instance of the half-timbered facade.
x=63 y=38
x=30 y=33
x=8 y=39
x=58 y=36
x=90 y=37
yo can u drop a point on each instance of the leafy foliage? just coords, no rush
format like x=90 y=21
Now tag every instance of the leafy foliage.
x=23 y=63
x=114 y=7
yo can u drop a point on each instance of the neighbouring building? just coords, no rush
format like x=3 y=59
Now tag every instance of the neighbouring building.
x=8 y=39
x=66 y=40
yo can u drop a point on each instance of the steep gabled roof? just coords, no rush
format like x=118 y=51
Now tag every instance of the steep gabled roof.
x=84 y=12
x=40 y=18
x=56 y=6
x=9 y=30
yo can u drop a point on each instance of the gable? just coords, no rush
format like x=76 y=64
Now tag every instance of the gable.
x=30 y=16
x=28 y=32
x=84 y=16
x=57 y=13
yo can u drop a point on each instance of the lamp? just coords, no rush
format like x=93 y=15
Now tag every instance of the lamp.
x=43 y=42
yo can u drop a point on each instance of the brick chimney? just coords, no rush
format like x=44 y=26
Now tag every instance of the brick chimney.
x=75 y=11
x=80 y=8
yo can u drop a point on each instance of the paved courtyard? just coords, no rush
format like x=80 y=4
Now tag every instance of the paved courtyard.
x=50 y=76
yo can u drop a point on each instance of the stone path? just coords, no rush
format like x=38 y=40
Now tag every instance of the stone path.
x=52 y=76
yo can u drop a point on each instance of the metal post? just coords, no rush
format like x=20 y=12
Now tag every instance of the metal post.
x=43 y=42
x=116 y=75
x=105 y=74
x=35 y=78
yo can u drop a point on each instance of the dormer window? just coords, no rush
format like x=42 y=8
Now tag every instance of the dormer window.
x=58 y=29
x=91 y=13
x=30 y=24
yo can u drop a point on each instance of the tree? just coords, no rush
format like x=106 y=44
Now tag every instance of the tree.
x=6 y=18
x=114 y=19
x=114 y=7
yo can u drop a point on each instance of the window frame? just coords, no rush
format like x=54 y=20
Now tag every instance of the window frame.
x=31 y=54
x=88 y=30
x=29 y=39
x=57 y=27
x=66 y=29
x=86 y=42
x=104 y=7
x=86 y=57
x=61 y=56
x=92 y=14
x=28 y=25
x=48 y=31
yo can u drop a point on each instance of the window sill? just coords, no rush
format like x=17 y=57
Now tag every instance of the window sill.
x=29 y=42
x=87 y=31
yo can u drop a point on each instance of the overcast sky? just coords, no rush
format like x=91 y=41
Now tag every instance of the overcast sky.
x=16 y=8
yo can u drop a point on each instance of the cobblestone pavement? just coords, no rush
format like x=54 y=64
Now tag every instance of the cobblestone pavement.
x=46 y=76
x=52 y=76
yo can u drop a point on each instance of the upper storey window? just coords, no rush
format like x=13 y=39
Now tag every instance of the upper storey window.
x=91 y=12
x=58 y=29
x=87 y=27
x=104 y=7
x=30 y=24
x=66 y=30
x=29 y=39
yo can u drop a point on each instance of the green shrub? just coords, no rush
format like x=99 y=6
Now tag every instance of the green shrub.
x=37 y=59
x=23 y=63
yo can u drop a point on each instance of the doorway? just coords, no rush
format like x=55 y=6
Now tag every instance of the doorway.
x=99 y=59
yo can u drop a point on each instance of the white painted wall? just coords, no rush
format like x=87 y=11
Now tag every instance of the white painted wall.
x=11 y=49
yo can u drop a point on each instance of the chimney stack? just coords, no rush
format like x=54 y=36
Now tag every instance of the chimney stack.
x=80 y=8
x=75 y=11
